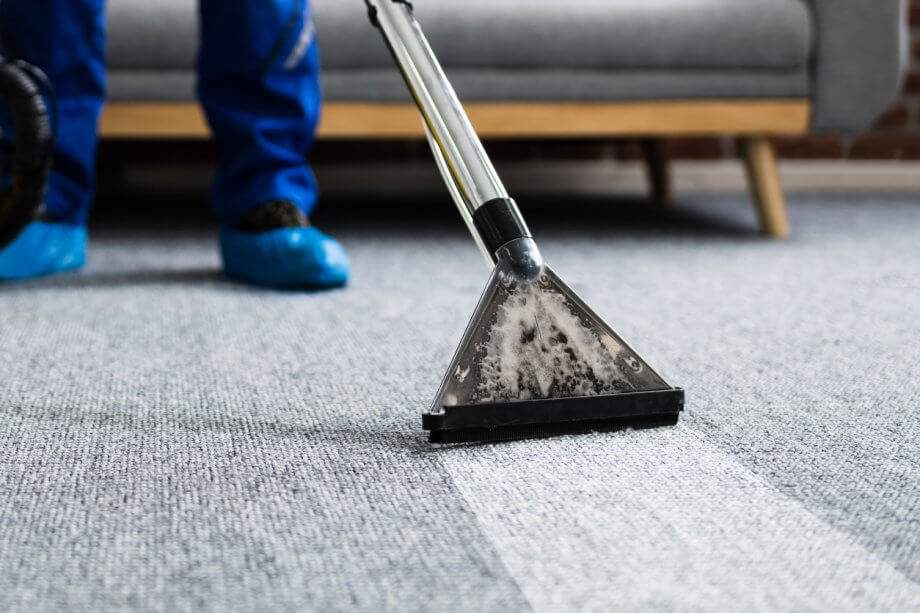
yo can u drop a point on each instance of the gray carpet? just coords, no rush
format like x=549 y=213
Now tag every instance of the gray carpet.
x=174 y=441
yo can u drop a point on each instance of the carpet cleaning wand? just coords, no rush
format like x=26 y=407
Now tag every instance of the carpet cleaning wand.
x=535 y=360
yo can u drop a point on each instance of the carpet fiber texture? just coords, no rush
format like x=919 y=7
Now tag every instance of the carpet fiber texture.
x=171 y=440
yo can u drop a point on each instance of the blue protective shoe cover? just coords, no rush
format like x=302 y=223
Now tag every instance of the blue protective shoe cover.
x=43 y=248
x=286 y=257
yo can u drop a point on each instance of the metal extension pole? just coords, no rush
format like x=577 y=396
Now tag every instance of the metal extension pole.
x=447 y=122
x=463 y=205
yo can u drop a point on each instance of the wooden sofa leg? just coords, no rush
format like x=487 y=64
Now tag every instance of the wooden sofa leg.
x=654 y=150
x=765 y=185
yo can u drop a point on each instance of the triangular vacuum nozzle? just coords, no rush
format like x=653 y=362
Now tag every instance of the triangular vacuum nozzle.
x=535 y=361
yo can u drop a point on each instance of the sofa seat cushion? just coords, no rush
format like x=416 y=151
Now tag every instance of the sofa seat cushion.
x=544 y=34
x=491 y=85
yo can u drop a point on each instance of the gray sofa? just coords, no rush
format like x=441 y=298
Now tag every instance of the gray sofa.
x=843 y=59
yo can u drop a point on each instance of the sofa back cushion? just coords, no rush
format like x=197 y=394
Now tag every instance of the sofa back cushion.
x=595 y=34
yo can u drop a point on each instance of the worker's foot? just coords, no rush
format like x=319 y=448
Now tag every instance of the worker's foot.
x=43 y=248
x=275 y=246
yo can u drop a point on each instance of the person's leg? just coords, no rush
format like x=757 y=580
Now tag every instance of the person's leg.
x=258 y=80
x=66 y=39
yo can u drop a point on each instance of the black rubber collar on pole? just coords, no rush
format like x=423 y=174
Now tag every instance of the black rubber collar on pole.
x=499 y=222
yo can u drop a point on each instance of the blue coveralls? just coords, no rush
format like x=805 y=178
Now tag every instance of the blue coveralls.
x=258 y=80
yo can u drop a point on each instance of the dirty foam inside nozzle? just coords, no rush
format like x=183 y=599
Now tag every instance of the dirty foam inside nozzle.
x=539 y=347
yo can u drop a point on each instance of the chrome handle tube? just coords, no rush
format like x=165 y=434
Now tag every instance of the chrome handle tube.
x=463 y=205
x=466 y=159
